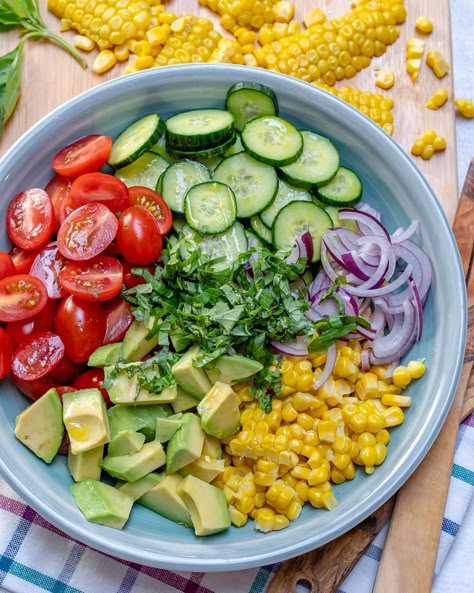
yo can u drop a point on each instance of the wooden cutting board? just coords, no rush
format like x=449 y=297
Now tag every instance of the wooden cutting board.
x=51 y=77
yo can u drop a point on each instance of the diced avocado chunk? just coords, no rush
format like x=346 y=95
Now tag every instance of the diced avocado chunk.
x=165 y=500
x=166 y=427
x=133 y=467
x=185 y=445
x=205 y=469
x=207 y=505
x=184 y=401
x=123 y=387
x=193 y=379
x=40 y=426
x=138 y=488
x=135 y=342
x=139 y=418
x=101 y=503
x=211 y=447
x=230 y=368
x=126 y=442
x=86 y=465
x=219 y=411
x=85 y=418
x=105 y=355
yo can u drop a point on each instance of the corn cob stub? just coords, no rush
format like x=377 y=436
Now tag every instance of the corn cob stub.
x=311 y=439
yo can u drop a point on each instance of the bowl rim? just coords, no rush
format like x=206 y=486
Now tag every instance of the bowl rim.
x=95 y=539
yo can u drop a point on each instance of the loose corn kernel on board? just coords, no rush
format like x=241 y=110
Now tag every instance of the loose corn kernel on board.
x=51 y=77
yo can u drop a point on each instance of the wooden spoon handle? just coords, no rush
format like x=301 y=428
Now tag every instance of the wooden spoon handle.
x=324 y=569
x=410 y=551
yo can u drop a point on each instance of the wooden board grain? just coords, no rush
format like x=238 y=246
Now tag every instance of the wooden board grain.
x=51 y=77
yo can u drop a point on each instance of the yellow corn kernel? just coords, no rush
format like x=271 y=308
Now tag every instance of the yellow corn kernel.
x=284 y=11
x=414 y=53
x=294 y=510
x=375 y=421
x=341 y=460
x=289 y=378
x=423 y=24
x=121 y=53
x=390 y=399
x=314 y=17
x=394 y=416
x=264 y=519
x=417 y=147
x=437 y=63
x=104 y=61
x=439 y=143
x=327 y=430
x=366 y=439
x=385 y=79
x=465 y=107
x=329 y=500
x=144 y=62
x=244 y=504
x=437 y=99
x=383 y=436
x=358 y=422
x=263 y=479
x=83 y=42
x=237 y=518
x=288 y=413
x=427 y=152
x=300 y=472
x=401 y=376
x=380 y=453
x=367 y=386
x=416 y=368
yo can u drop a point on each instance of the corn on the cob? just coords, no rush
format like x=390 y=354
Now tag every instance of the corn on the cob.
x=311 y=438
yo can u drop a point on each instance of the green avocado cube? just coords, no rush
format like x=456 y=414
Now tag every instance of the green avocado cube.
x=132 y=467
x=139 y=487
x=219 y=411
x=101 y=503
x=86 y=465
x=185 y=445
x=126 y=442
x=164 y=499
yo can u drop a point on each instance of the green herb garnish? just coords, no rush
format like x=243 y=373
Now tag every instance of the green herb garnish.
x=332 y=328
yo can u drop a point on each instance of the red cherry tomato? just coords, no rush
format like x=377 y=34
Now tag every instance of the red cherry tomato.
x=7 y=267
x=66 y=371
x=21 y=296
x=23 y=259
x=97 y=279
x=37 y=356
x=85 y=155
x=6 y=353
x=102 y=188
x=59 y=189
x=34 y=389
x=22 y=330
x=118 y=319
x=152 y=201
x=30 y=218
x=81 y=326
x=87 y=231
x=93 y=378
x=139 y=236
x=47 y=266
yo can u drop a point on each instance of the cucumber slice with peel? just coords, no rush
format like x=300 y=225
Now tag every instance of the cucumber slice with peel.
x=135 y=140
x=247 y=100
x=344 y=189
x=272 y=140
x=199 y=129
x=210 y=207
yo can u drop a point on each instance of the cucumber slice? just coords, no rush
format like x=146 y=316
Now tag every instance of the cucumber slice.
x=210 y=207
x=297 y=217
x=205 y=153
x=272 y=140
x=285 y=194
x=253 y=183
x=145 y=171
x=226 y=246
x=135 y=140
x=199 y=129
x=317 y=164
x=160 y=148
x=261 y=230
x=178 y=178
x=344 y=189
x=248 y=100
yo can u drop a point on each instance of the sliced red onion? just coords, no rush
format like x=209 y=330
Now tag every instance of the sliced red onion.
x=418 y=309
x=382 y=290
x=328 y=367
x=296 y=347
x=422 y=271
x=319 y=282
x=401 y=234
x=303 y=248
x=365 y=360
x=364 y=219
x=364 y=207
x=399 y=340
x=325 y=263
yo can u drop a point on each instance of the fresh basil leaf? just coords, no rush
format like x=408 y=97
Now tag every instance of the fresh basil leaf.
x=10 y=80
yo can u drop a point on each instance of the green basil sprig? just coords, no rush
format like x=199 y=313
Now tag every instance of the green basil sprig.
x=25 y=16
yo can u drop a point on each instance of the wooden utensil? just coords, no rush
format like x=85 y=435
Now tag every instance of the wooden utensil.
x=416 y=523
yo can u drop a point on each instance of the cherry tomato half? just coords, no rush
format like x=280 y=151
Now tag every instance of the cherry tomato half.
x=81 y=326
x=22 y=330
x=30 y=218
x=59 y=189
x=47 y=266
x=22 y=259
x=7 y=267
x=34 y=389
x=21 y=296
x=152 y=201
x=93 y=378
x=129 y=278
x=102 y=188
x=87 y=231
x=37 y=356
x=6 y=353
x=85 y=155
x=138 y=236
x=96 y=279
x=118 y=319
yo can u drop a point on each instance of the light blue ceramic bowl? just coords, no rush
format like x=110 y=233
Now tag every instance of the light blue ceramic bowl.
x=391 y=183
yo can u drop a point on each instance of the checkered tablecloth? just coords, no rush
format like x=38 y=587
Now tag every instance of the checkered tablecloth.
x=36 y=557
